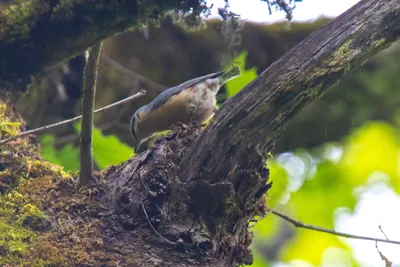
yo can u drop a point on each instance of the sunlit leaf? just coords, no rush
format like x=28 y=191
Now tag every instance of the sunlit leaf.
x=246 y=76
x=109 y=150
x=372 y=148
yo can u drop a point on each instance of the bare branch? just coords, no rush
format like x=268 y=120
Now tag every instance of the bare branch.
x=300 y=224
x=46 y=127
x=89 y=92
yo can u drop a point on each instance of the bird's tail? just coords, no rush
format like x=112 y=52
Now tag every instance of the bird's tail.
x=228 y=75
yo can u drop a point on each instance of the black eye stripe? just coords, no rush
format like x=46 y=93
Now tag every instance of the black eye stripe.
x=133 y=121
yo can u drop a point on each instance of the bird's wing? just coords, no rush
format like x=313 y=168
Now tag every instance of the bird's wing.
x=192 y=82
x=171 y=92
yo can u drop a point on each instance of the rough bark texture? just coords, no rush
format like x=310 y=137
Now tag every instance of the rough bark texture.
x=188 y=200
x=195 y=223
x=37 y=34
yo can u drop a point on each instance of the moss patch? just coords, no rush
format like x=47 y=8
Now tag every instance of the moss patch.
x=41 y=211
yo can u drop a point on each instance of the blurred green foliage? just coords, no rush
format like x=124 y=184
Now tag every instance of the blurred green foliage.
x=67 y=156
x=107 y=150
x=313 y=184
x=327 y=180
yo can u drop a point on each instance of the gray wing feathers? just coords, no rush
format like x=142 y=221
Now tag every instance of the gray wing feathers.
x=199 y=79
x=170 y=92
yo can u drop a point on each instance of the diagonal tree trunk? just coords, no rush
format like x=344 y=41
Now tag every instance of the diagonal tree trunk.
x=188 y=201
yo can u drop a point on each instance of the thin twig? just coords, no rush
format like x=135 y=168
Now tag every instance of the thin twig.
x=49 y=126
x=380 y=228
x=328 y=231
x=89 y=91
x=388 y=263
x=152 y=227
x=132 y=74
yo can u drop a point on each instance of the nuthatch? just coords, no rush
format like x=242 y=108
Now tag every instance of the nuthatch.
x=191 y=101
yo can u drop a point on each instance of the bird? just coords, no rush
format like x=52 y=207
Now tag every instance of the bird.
x=193 y=101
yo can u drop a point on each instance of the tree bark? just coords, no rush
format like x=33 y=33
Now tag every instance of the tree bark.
x=188 y=201
x=89 y=92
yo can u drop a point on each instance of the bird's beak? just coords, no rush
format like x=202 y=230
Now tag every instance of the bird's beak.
x=140 y=148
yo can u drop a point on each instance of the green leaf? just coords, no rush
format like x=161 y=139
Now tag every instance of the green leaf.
x=67 y=156
x=246 y=76
x=47 y=150
x=370 y=149
x=107 y=150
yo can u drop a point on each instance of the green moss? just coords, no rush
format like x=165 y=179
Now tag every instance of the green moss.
x=31 y=216
x=23 y=179
x=7 y=127
x=43 y=168
x=338 y=57
x=14 y=238
x=10 y=204
x=14 y=242
x=19 y=17
x=379 y=43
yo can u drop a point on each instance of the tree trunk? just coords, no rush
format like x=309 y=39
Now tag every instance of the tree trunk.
x=188 y=201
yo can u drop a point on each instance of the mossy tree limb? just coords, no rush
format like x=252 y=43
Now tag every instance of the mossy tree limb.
x=89 y=92
x=36 y=34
